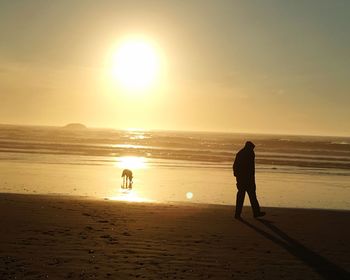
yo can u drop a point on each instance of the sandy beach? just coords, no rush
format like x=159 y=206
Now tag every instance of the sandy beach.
x=52 y=237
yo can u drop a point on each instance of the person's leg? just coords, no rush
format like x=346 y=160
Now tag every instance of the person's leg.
x=130 y=182
x=253 y=199
x=239 y=201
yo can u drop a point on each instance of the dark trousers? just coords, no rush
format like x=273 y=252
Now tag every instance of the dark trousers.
x=248 y=186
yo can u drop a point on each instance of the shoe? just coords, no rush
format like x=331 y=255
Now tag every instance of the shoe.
x=238 y=217
x=260 y=214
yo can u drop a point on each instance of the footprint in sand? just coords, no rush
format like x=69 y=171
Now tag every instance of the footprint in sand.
x=103 y=221
x=110 y=239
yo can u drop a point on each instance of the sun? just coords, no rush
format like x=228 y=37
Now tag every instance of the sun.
x=135 y=65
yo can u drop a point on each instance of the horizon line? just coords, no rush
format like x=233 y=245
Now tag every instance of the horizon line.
x=177 y=130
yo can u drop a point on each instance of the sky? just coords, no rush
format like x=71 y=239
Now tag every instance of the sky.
x=279 y=67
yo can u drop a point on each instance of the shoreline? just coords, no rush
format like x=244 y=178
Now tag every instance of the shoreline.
x=55 y=237
x=63 y=196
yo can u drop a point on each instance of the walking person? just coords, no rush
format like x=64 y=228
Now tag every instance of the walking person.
x=244 y=171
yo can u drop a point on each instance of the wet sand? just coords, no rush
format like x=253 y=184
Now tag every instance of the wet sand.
x=52 y=237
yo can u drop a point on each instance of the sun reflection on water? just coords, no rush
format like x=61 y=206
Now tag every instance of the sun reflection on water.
x=129 y=196
x=128 y=146
x=131 y=162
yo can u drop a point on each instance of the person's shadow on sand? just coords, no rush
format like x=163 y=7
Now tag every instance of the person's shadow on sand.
x=319 y=264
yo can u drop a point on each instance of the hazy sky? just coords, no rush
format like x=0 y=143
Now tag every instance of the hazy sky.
x=235 y=66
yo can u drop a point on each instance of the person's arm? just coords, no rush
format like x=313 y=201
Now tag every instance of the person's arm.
x=235 y=165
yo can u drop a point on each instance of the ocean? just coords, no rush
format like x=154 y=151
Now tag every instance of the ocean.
x=174 y=166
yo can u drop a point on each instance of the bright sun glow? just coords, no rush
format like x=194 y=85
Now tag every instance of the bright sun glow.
x=131 y=162
x=136 y=65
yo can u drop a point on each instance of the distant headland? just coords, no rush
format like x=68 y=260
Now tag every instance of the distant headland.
x=75 y=126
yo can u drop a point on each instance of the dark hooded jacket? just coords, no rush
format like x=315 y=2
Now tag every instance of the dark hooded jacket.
x=244 y=164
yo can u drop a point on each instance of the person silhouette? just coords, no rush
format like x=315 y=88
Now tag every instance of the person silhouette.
x=244 y=171
x=127 y=179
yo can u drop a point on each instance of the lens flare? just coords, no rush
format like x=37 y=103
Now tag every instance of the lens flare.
x=189 y=195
